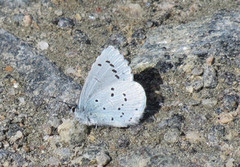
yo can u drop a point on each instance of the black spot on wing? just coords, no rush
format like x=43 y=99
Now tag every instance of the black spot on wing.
x=117 y=76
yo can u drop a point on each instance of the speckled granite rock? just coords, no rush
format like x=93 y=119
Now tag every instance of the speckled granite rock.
x=168 y=47
x=44 y=82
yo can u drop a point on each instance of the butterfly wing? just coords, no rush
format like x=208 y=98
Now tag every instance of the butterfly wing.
x=119 y=104
x=109 y=67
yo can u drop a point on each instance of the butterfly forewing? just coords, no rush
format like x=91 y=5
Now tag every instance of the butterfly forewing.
x=109 y=67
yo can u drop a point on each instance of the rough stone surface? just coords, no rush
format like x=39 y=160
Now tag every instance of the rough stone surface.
x=173 y=44
x=176 y=44
x=70 y=132
x=45 y=80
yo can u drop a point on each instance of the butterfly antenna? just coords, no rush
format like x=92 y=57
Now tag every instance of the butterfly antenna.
x=72 y=107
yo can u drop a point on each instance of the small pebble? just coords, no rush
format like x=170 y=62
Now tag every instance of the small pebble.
x=47 y=129
x=172 y=135
x=27 y=20
x=102 y=159
x=26 y=148
x=139 y=34
x=2 y=136
x=21 y=100
x=42 y=45
x=188 y=67
x=210 y=77
x=230 y=102
x=209 y=102
x=194 y=136
x=17 y=136
x=71 y=132
x=62 y=152
x=70 y=70
x=225 y=118
x=9 y=68
x=71 y=54
x=133 y=10
x=197 y=71
x=65 y=22
x=230 y=162
x=6 y=164
x=189 y=89
x=197 y=85
x=117 y=40
x=210 y=60
x=58 y=12
x=123 y=142
x=81 y=37
x=149 y=24
x=18 y=19
x=93 y=16
x=238 y=109
x=78 y=17
x=193 y=102
x=53 y=161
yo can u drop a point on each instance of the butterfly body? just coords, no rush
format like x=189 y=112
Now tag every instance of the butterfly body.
x=109 y=95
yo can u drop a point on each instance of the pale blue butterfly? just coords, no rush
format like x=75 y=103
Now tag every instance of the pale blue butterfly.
x=109 y=95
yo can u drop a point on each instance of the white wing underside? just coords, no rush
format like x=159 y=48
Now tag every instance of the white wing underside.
x=109 y=67
x=120 y=104
x=109 y=95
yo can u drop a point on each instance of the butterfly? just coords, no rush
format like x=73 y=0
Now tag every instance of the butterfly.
x=109 y=95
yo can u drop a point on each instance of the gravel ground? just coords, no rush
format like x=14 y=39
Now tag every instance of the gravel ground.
x=186 y=54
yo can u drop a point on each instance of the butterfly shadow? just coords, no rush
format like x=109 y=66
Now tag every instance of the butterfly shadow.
x=150 y=79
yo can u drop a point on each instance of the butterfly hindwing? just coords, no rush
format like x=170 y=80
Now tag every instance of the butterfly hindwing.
x=120 y=104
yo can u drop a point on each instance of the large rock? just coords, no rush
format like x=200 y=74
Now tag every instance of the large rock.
x=169 y=46
x=44 y=82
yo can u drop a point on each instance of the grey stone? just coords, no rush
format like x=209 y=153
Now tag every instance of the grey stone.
x=43 y=79
x=172 y=135
x=102 y=159
x=230 y=102
x=197 y=71
x=15 y=3
x=209 y=102
x=149 y=24
x=176 y=121
x=210 y=77
x=71 y=132
x=117 y=40
x=65 y=22
x=193 y=102
x=197 y=85
x=81 y=37
x=202 y=38
x=138 y=36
